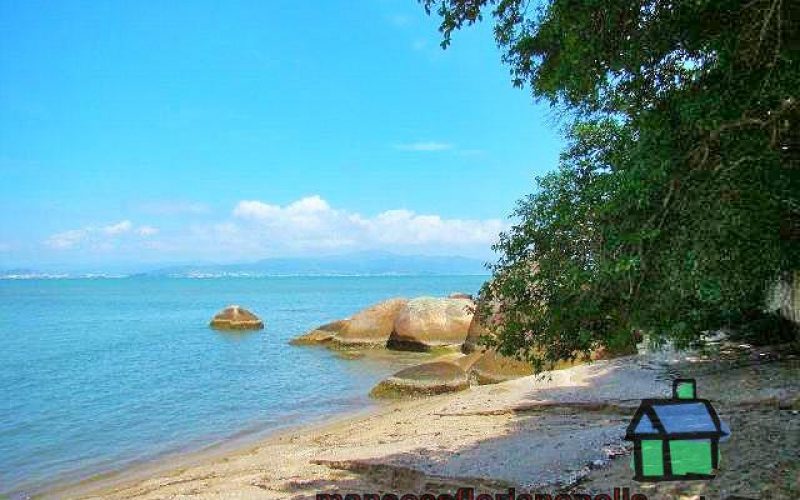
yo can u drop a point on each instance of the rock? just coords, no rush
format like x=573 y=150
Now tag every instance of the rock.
x=601 y=353
x=492 y=368
x=319 y=335
x=427 y=322
x=350 y=354
x=429 y=378
x=371 y=326
x=466 y=361
x=459 y=295
x=236 y=318
x=474 y=332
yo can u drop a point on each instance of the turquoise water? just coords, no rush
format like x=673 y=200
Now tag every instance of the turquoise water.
x=97 y=375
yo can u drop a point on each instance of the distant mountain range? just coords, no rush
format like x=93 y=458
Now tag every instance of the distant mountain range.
x=355 y=264
x=346 y=265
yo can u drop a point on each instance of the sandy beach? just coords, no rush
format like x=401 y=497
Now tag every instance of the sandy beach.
x=560 y=432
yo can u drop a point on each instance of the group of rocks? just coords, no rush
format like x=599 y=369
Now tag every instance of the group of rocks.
x=446 y=326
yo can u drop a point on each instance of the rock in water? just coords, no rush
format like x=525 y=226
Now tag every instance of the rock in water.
x=321 y=334
x=236 y=318
x=429 y=378
x=369 y=327
x=427 y=322
x=372 y=325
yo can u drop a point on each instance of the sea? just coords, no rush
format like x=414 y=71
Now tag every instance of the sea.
x=100 y=375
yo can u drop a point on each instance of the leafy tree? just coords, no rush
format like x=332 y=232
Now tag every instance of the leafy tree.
x=676 y=203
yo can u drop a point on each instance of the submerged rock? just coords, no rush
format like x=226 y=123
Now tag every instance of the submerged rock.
x=427 y=322
x=236 y=318
x=430 y=378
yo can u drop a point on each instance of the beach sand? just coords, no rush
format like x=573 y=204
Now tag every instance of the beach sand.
x=551 y=433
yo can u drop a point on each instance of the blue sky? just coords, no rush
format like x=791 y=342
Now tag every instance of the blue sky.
x=140 y=133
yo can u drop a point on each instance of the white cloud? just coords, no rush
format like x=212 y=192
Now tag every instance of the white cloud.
x=252 y=209
x=67 y=239
x=118 y=228
x=310 y=225
x=98 y=238
x=309 y=205
x=424 y=146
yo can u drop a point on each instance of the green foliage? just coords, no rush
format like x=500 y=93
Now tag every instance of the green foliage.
x=676 y=204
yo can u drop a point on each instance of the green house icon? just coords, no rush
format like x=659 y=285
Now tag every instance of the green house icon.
x=678 y=438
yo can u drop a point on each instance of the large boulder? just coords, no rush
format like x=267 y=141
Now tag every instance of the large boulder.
x=236 y=318
x=425 y=379
x=475 y=331
x=492 y=368
x=371 y=326
x=427 y=322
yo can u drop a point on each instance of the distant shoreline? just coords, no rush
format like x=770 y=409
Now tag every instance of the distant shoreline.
x=47 y=277
x=366 y=263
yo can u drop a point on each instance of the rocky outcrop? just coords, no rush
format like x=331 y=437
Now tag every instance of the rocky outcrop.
x=459 y=295
x=369 y=327
x=236 y=318
x=429 y=378
x=427 y=322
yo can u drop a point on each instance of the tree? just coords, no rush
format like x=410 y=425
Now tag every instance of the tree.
x=676 y=204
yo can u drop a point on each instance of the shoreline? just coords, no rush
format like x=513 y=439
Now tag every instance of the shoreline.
x=555 y=434
x=233 y=446
x=394 y=436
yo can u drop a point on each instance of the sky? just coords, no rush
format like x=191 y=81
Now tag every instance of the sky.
x=148 y=133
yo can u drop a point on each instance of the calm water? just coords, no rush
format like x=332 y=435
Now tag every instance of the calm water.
x=100 y=374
